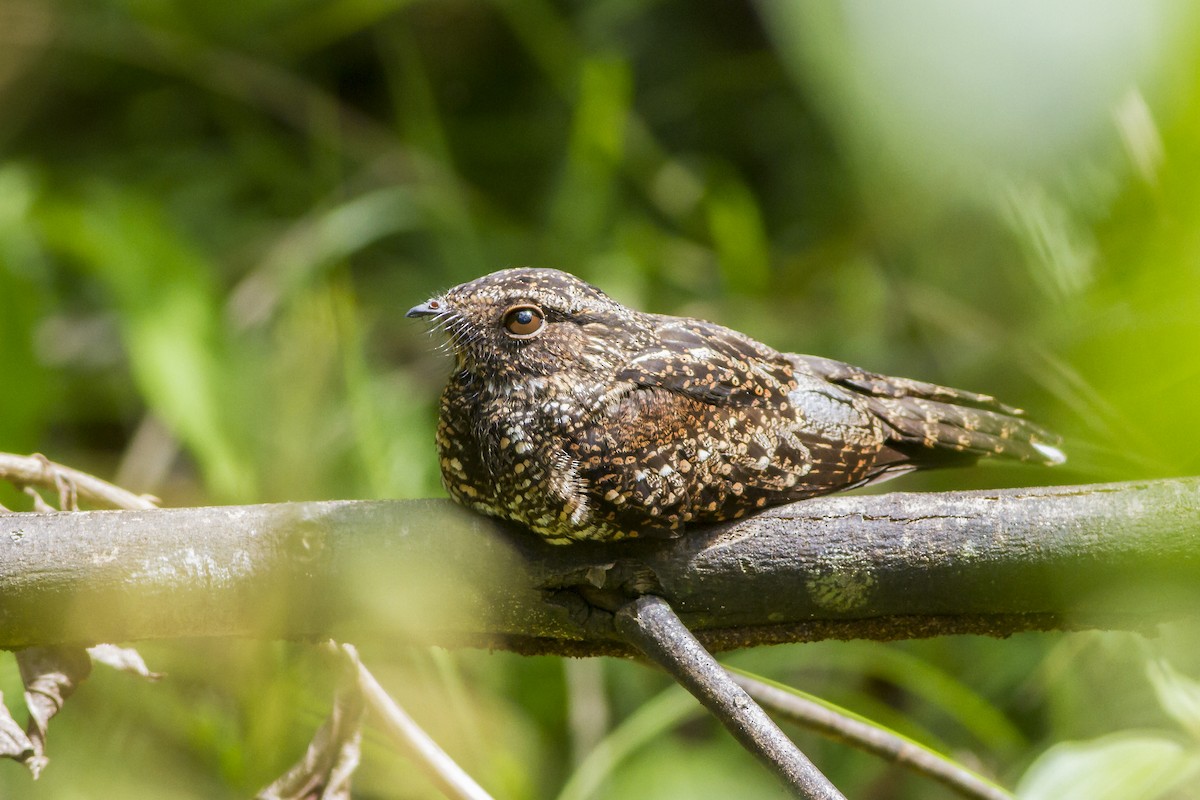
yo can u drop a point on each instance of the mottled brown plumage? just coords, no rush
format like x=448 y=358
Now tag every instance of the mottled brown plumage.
x=586 y=420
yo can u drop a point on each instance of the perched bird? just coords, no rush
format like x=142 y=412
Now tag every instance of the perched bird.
x=585 y=420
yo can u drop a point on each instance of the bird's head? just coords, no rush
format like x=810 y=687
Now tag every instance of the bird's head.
x=520 y=323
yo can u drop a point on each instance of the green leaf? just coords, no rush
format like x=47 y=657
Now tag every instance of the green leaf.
x=1178 y=695
x=737 y=229
x=583 y=202
x=24 y=300
x=658 y=715
x=1116 y=767
x=171 y=321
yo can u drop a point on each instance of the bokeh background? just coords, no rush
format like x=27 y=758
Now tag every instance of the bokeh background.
x=214 y=215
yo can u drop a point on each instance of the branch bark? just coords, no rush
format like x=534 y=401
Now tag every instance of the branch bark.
x=881 y=567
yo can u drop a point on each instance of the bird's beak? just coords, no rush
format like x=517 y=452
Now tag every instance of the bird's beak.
x=427 y=309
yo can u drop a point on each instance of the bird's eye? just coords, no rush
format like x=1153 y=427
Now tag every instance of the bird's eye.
x=523 y=322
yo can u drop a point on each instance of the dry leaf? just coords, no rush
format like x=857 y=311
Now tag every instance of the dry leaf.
x=50 y=675
x=125 y=659
x=14 y=743
x=325 y=770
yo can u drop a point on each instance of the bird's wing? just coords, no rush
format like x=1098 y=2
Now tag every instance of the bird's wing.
x=710 y=363
x=931 y=424
x=710 y=424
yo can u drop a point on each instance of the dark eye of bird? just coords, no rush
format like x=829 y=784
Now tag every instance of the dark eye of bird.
x=523 y=322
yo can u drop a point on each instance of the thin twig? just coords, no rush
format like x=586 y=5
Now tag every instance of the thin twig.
x=872 y=739
x=652 y=626
x=448 y=776
x=70 y=484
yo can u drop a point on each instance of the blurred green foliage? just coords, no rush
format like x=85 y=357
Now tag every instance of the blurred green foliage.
x=213 y=215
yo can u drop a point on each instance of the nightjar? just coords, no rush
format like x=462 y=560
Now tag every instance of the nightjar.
x=585 y=420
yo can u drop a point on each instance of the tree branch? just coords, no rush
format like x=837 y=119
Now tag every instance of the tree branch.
x=843 y=727
x=651 y=625
x=880 y=567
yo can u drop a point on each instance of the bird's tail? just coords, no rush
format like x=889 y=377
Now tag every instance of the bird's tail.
x=930 y=425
